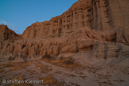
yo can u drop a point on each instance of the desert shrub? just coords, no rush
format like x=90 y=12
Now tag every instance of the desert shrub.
x=11 y=58
x=69 y=61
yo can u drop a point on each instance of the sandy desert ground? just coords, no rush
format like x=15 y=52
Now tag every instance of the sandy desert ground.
x=65 y=72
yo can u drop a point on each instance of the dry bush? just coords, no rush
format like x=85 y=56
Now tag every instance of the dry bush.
x=69 y=61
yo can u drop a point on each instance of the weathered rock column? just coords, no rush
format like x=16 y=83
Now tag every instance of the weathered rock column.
x=59 y=27
x=85 y=18
x=80 y=22
x=74 y=21
x=50 y=28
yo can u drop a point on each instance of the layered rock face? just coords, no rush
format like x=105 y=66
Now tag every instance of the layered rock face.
x=84 y=40
x=88 y=45
x=96 y=27
x=96 y=14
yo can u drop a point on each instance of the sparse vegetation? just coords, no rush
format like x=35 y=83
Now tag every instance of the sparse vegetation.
x=68 y=61
x=11 y=58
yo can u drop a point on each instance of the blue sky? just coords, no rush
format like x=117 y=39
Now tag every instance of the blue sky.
x=19 y=14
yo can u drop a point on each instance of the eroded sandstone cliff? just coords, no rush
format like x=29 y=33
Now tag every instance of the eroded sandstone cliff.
x=6 y=33
x=96 y=27
x=96 y=14
x=88 y=45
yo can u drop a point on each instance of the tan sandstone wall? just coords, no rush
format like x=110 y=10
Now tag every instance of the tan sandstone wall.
x=96 y=14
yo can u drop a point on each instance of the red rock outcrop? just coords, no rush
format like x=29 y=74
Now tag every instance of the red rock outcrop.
x=96 y=14
x=83 y=40
x=88 y=45
x=95 y=27
x=6 y=33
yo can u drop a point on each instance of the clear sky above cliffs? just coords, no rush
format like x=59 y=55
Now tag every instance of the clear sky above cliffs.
x=18 y=14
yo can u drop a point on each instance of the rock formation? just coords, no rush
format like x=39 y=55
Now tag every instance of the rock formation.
x=96 y=27
x=88 y=45
x=6 y=33
x=96 y=14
